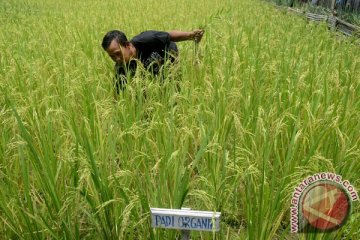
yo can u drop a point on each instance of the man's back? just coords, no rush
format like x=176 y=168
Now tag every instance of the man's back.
x=153 y=47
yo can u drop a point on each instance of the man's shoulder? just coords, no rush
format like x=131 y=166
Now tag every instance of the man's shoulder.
x=149 y=35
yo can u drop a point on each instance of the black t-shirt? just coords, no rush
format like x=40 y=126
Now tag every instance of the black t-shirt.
x=152 y=48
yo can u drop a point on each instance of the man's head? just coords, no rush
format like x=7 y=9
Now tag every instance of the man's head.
x=117 y=46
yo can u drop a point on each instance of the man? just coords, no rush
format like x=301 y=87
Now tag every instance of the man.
x=151 y=48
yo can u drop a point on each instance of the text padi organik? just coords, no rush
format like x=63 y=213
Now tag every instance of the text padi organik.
x=183 y=222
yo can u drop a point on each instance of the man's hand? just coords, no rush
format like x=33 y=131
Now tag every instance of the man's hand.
x=197 y=35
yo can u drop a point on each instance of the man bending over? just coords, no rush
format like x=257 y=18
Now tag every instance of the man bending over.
x=151 y=48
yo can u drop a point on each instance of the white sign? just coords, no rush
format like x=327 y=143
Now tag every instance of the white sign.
x=185 y=219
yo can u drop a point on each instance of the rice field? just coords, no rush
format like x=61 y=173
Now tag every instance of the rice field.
x=267 y=100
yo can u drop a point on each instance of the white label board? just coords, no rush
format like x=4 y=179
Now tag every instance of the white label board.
x=185 y=219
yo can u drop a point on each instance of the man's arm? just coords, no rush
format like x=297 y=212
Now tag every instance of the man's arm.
x=177 y=36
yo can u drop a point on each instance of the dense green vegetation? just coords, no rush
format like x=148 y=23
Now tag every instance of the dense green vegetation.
x=273 y=100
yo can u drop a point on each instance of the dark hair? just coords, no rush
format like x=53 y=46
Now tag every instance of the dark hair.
x=119 y=36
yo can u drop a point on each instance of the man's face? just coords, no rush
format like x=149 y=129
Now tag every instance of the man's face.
x=119 y=53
